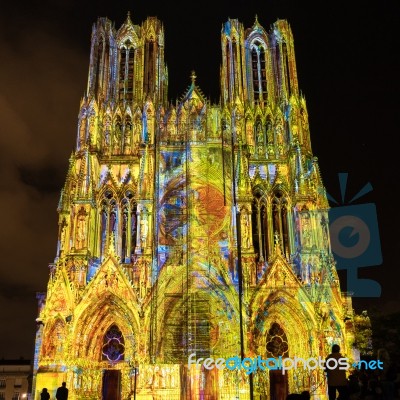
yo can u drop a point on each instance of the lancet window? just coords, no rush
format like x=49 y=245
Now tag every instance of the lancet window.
x=228 y=66
x=259 y=72
x=149 y=67
x=270 y=221
x=128 y=227
x=126 y=71
x=108 y=221
x=234 y=65
x=102 y=65
x=260 y=229
x=113 y=349
x=286 y=71
x=278 y=70
x=280 y=219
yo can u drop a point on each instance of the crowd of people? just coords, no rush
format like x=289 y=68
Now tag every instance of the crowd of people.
x=375 y=384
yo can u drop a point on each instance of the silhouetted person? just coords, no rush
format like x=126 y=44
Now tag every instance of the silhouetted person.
x=305 y=395
x=336 y=377
x=294 y=396
x=45 y=395
x=62 y=392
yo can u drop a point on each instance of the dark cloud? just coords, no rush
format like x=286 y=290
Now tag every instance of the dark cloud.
x=45 y=179
x=39 y=79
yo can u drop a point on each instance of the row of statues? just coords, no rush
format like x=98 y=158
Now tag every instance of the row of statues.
x=123 y=137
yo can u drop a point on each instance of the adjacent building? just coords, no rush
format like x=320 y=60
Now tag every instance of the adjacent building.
x=15 y=379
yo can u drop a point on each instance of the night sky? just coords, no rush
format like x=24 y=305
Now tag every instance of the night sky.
x=347 y=64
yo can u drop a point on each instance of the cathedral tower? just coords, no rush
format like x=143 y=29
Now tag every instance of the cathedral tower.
x=190 y=231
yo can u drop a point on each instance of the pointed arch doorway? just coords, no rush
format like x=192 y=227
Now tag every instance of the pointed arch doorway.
x=277 y=346
x=113 y=351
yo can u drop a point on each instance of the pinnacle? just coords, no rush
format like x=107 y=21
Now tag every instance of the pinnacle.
x=193 y=77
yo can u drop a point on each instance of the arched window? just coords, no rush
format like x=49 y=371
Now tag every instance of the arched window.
x=254 y=67
x=277 y=344
x=149 y=67
x=286 y=70
x=228 y=67
x=278 y=72
x=126 y=71
x=259 y=72
x=98 y=61
x=102 y=66
x=122 y=69
x=103 y=227
x=260 y=228
x=128 y=227
x=133 y=228
x=130 y=74
x=112 y=226
x=113 y=345
x=108 y=221
x=235 y=68
x=124 y=228
x=280 y=220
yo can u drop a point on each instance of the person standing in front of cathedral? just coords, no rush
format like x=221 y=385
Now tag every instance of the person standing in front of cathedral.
x=62 y=392
x=336 y=377
x=45 y=395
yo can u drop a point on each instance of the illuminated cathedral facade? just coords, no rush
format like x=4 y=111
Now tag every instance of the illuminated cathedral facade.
x=190 y=229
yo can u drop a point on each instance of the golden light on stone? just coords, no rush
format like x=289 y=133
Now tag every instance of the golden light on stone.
x=173 y=218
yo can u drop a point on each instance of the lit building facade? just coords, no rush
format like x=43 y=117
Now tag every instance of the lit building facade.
x=190 y=229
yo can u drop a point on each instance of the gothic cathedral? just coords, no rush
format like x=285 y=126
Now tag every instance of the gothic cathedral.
x=191 y=230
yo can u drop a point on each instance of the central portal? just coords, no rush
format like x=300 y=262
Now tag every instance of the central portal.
x=278 y=385
x=111 y=389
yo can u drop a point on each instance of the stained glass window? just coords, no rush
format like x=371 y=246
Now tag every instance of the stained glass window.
x=113 y=345
x=277 y=342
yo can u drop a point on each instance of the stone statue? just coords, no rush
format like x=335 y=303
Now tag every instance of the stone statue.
x=144 y=229
x=81 y=230
x=246 y=231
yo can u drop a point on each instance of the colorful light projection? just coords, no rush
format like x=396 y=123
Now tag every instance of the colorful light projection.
x=174 y=218
x=113 y=347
